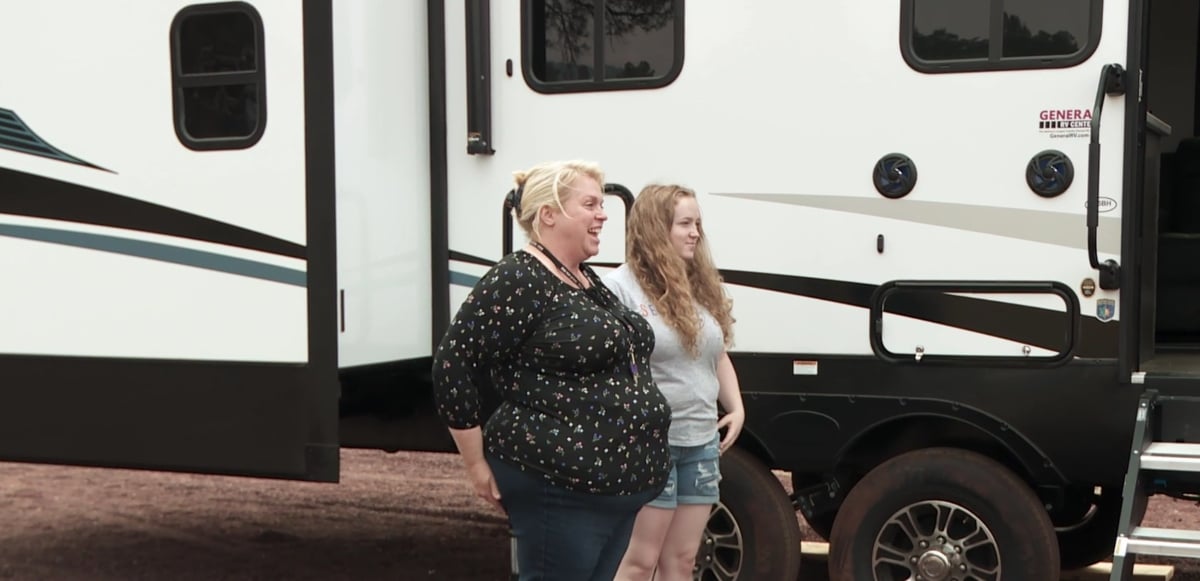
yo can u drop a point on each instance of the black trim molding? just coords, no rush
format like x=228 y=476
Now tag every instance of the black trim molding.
x=439 y=205
x=322 y=387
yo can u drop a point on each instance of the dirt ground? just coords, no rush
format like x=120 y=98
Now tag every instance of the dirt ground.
x=394 y=516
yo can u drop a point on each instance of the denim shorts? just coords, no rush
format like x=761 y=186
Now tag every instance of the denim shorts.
x=695 y=476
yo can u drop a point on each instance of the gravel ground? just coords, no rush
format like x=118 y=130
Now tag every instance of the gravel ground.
x=393 y=516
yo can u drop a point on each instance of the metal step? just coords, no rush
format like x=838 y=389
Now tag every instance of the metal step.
x=1176 y=457
x=1162 y=542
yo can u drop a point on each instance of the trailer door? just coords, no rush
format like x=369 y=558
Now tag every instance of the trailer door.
x=1164 y=162
x=166 y=235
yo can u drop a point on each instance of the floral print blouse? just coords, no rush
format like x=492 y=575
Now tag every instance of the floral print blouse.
x=571 y=371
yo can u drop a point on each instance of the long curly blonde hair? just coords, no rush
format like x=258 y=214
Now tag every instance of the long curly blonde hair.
x=674 y=285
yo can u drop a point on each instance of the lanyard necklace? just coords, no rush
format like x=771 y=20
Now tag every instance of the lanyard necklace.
x=598 y=298
x=562 y=267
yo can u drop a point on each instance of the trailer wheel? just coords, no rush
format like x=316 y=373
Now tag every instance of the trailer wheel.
x=752 y=532
x=1088 y=537
x=942 y=513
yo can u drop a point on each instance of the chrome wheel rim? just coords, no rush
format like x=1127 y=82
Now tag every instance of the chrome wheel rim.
x=721 y=548
x=935 y=540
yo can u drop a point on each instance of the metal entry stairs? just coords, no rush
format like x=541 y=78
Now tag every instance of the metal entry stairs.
x=1146 y=457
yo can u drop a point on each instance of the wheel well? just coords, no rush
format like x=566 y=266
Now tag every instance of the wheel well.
x=888 y=440
x=754 y=446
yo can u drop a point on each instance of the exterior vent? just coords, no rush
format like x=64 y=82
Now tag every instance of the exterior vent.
x=1049 y=173
x=895 y=175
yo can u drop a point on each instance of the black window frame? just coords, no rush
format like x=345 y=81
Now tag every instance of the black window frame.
x=1000 y=63
x=181 y=81
x=597 y=84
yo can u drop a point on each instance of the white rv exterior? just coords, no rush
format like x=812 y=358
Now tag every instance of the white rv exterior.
x=383 y=180
x=94 y=94
x=233 y=233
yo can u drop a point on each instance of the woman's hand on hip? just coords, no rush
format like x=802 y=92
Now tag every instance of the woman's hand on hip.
x=732 y=423
x=470 y=446
x=484 y=483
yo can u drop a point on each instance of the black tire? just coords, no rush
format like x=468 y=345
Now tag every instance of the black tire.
x=1089 y=537
x=942 y=497
x=752 y=533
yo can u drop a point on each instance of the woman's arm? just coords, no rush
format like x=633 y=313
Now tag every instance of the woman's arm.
x=470 y=447
x=729 y=395
x=490 y=326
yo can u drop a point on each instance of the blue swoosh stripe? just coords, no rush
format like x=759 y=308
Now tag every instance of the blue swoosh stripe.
x=463 y=279
x=160 y=252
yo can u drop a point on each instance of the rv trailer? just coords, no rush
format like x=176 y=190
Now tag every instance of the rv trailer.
x=234 y=232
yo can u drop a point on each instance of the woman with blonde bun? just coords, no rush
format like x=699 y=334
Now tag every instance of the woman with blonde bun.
x=578 y=443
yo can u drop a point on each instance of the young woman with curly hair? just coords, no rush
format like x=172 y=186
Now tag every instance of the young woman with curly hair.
x=669 y=278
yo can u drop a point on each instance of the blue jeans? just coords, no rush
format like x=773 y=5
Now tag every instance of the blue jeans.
x=564 y=535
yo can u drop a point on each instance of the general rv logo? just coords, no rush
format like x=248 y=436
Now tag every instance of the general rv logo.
x=1059 y=123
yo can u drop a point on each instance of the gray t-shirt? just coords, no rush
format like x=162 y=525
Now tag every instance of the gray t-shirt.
x=688 y=382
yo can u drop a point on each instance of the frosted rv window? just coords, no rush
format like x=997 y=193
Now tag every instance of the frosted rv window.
x=973 y=35
x=218 y=78
x=596 y=45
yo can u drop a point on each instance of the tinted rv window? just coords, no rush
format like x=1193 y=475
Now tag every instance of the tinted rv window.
x=950 y=29
x=219 y=81
x=566 y=39
x=597 y=45
x=974 y=35
x=1040 y=28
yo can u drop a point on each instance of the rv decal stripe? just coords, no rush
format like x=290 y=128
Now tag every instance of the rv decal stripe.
x=158 y=251
x=24 y=194
x=1030 y=325
x=15 y=135
x=469 y=259
x=463 y=279
x=459 y=256
x=1058 y=228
